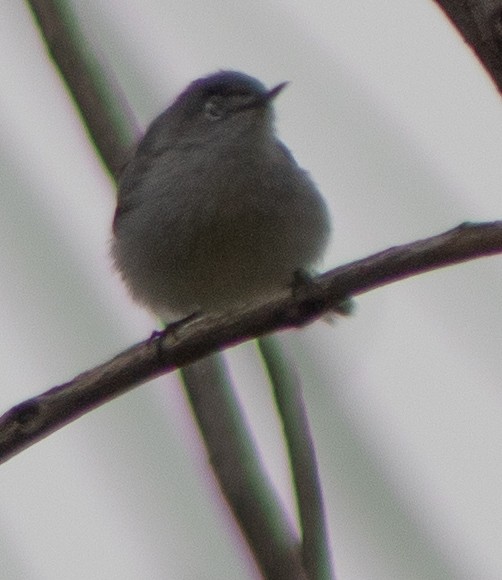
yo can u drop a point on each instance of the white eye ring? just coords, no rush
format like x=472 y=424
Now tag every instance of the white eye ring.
x=213 y=111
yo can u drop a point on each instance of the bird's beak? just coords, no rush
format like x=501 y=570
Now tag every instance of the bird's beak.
x=272 y=93
x=261 y=100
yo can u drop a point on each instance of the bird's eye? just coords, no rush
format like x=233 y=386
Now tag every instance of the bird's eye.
x=213 y=110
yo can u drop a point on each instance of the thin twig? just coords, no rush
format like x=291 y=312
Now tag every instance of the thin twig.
x=235 y=461
x=36 y=418
x=99 y=103
x=480 y=23
x=287 y=389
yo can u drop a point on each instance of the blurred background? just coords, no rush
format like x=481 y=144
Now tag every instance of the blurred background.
x=400 y=128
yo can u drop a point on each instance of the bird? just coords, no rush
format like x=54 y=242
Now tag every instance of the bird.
x=213 y=212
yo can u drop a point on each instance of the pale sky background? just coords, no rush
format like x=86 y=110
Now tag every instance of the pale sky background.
x=401 y=130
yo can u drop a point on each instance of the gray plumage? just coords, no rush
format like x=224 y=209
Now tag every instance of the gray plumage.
x=213 y=211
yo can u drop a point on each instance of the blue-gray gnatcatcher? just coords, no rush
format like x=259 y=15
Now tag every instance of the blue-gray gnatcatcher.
x=213 y=211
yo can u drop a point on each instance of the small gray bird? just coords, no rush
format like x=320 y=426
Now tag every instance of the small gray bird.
x=213 y=211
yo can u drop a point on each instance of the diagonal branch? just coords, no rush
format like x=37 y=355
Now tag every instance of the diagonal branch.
x=36 y=418
x=480 y=23
x=236 y=463
x=99 y=103
x=287 y=389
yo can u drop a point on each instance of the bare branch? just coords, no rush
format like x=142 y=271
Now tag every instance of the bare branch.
x=36 y=418
x=480 y=23
x=235 y=461
x=288 y=396
x=99 y=103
